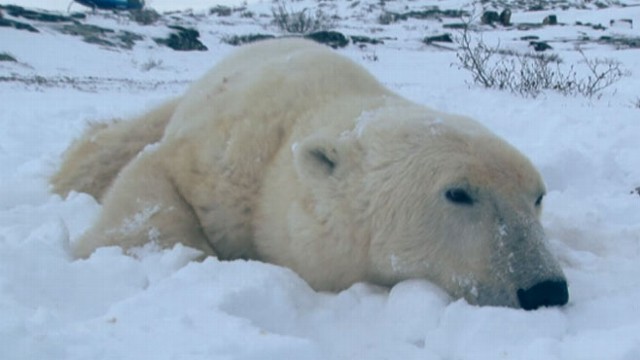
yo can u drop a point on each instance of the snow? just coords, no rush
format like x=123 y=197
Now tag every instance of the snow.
x=164 y=304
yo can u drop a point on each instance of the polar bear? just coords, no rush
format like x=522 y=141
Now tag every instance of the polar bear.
x=289 y=153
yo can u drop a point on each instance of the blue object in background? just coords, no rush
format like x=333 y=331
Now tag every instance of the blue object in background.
x=113 y=4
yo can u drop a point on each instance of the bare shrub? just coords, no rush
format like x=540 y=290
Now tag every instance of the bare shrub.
x=299 y=22
x=529 y=74
x=373 y=57
x=603 y=73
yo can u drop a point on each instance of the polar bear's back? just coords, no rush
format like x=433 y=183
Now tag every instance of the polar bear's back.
x=293 y=75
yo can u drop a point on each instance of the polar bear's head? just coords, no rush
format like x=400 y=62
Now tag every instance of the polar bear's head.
x=437 y=197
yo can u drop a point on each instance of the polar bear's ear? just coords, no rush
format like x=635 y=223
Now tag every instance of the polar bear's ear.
x=318 y=157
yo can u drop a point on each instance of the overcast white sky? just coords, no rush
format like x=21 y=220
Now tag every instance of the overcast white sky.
x=159 y=5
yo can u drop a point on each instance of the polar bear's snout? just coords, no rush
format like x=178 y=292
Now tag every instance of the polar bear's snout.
x=540 y=281
x=546 y=293
x=535 y=274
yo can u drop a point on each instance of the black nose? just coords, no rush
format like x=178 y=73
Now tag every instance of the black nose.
x=546 y=293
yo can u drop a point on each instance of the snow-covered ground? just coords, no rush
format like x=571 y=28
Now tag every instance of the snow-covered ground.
x=161 y=305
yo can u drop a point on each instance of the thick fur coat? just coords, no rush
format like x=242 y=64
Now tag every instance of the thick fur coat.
x=289 y=153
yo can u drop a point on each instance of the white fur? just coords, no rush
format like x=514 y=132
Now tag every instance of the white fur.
x=288 y=153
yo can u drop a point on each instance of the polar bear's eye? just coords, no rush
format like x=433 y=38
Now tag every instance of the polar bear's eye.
x=459 y=196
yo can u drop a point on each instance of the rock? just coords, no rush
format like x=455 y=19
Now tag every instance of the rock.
x=601 y=5
x=90 y=33
x=221 y=10
x=387 y=18
x=18 y=11
x=17 y=25
x=505 y=17
x=357 y=39
x=621 y=42
x=127 y=39
x=93 y=34
x=333 y=39
x=540 y=45
x=550 y=20
x=593 y=26
x=6 y=57
x=528 y=26
x=40 y=16
x=434 y=12
x=184 y=39
x=237 y=40
x=455 y=26
x=489 y=17
x=438 y=38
